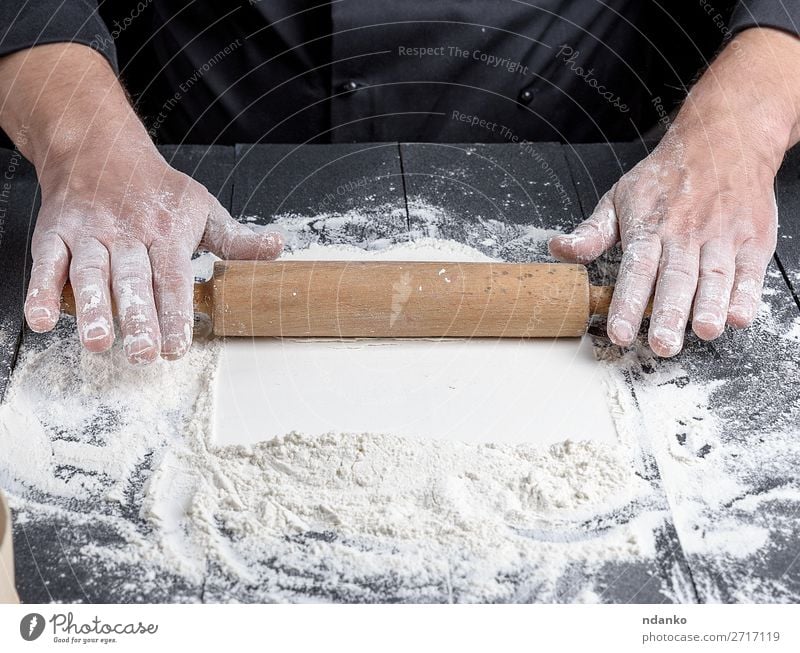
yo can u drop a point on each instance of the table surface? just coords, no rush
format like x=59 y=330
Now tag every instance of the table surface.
x=542 y=185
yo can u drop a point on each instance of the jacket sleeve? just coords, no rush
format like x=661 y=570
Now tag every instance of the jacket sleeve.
x=783 y=15
x=37 y=22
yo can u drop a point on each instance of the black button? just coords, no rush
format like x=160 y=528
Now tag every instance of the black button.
x=348 y=87
x=526 y=96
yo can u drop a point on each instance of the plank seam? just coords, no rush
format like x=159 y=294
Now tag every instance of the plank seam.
x=787 y=280
x=405 y=190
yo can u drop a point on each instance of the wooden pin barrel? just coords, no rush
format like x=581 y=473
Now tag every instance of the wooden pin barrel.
x=395 y=299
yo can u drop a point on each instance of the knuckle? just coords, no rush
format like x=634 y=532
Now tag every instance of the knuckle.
x=678 y=274
x=673 y=315
x=751 y=266
x=642 y=239
x=639 y=273
x=639 y=263
x=133 y=266
x=130 y=281
x=592 y=227
x=716 y=268
x=748 y=288
x=137 y=322
x=90 y=270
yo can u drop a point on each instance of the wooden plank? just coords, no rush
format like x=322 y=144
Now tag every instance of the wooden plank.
x=326 y=194
x=596 y=168
x=19 y=204
x=498 y=198
x=51 y=564
x=504 y=200
x=727 y=445
x=319 y=181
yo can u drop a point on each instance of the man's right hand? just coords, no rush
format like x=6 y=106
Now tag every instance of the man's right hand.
x=115 y=219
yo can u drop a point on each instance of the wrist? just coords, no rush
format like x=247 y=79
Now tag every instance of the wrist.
x=85 y=142
x=63 y=101
x=749 y=99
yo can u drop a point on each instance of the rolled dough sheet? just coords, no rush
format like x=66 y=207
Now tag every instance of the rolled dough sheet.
x=511 y=391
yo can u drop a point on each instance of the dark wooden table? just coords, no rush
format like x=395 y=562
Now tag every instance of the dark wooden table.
x=543 y=185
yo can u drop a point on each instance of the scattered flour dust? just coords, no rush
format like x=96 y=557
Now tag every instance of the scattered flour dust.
x=725 y=436
x=125 y=459
x=339 y=516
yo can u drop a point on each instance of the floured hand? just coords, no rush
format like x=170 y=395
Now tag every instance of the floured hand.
x=701 y=241
x=697 y=219
x=124 y=224
x=115 y=219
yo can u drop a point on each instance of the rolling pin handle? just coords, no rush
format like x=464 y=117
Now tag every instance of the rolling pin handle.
x=203 y=308
x=600 y=299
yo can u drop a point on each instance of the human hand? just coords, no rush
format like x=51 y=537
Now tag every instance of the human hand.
x=119 y=221
x=697 y=238
x=115 y=217
x=697 y=219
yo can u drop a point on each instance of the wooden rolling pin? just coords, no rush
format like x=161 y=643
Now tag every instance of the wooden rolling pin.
x=345 y=299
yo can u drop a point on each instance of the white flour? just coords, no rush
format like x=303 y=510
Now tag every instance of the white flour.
x=483 y=508
x=350 y=517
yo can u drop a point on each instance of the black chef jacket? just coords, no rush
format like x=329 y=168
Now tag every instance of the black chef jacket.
x=387 y=70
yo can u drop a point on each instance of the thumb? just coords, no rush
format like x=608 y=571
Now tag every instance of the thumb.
x=230 y=239
x=591 y=237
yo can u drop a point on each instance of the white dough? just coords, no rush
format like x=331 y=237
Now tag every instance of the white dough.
x=535 y=391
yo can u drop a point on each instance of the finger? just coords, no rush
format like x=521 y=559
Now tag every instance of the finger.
x=90 y=274
x=229 y=239
x=713 y=289
x=675 y=289
x=635 y=281
x=48 y=276
x=751 y=266
x=591 y=237
x=132 y=284
x=173 y=285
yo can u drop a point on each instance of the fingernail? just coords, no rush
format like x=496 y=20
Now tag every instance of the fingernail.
x=39 y=318
x=709 y=318
x=175 y=346
x=273 y=241
x=96 y=330
x=743 y=312
x=623 y=330
x=140 y=349
x=668 y=338
x=565 y=241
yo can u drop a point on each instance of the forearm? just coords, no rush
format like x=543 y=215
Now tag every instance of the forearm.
x=60 y=99
x=749 y=98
